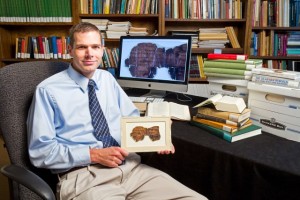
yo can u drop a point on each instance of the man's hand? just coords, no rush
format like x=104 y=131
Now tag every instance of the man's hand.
x=110 y=157
x=172 y=151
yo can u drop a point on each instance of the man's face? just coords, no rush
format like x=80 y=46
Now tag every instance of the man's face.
x=87 y=52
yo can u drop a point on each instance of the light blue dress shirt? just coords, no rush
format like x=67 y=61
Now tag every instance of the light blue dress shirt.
x=60 y=132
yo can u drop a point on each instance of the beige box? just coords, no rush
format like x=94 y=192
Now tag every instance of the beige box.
x=275 y=109
x=229 y=87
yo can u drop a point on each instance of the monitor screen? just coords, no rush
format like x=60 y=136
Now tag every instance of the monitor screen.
x=158 y=63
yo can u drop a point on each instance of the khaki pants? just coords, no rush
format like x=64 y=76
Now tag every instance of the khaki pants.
x=129 y=181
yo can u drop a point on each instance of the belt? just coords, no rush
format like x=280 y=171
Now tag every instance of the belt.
x=70 y=170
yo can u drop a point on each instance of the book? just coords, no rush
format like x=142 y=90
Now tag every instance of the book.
x=221 y=120
x=256 y=62
x=174 y=110
x=232 y=37
x=271 y=80
x=201 y=66
x=227 y=56
x=231 y=76
x=226 y=127
x=247 y=132
x=225 y=103
x=277 y=73
x=227 y=71
x=228 y=65
x=234 y=117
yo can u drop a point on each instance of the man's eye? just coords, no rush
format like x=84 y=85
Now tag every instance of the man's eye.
x=97 y=47
x=81 y=47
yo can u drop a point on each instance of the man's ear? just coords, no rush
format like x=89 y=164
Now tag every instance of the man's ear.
x=70 y=50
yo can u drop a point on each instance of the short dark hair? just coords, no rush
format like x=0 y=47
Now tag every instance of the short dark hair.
x=82 y=27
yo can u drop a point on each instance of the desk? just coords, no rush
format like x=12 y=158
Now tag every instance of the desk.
x=261 y=167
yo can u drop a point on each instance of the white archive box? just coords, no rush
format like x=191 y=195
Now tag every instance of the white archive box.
x=229 y=87
x=276 y=109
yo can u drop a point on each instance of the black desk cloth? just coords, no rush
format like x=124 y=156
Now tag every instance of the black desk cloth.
x=261 y=167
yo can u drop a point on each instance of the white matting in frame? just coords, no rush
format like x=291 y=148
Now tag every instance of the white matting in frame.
x=146 y=134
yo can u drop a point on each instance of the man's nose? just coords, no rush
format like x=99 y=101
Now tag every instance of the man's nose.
x=89 y=52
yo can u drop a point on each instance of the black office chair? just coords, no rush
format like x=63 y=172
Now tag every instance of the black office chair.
x=17 y=85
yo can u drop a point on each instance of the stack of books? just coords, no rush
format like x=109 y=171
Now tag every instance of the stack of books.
x=193 y=33
x=232 y=66
x=138 y=31
x=117 y=29
x=281 y=78
x=100 y=23
x=212 y=38
x=226 y=117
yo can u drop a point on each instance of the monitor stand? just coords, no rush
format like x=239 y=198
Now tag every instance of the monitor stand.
x=155 y=94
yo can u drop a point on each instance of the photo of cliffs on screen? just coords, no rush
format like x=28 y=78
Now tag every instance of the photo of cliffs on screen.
x=146 y=58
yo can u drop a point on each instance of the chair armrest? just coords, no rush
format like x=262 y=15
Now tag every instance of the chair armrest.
x=29 y=180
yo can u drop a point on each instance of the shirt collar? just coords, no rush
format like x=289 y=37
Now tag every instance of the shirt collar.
x=79 y=79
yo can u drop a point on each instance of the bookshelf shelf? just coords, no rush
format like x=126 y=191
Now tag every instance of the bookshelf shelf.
x=284 y=29
x=297 y=57
x=3 y=24
x=9 y=61
x=275 y=33
x=119 y=16
x=206 y=20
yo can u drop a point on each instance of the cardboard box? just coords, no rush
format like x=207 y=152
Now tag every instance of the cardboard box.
x=230 y=87
x=275 y=109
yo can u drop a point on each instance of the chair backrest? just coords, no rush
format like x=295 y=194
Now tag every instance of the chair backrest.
x=17 y=85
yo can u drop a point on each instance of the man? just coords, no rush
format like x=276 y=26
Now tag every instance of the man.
x=61 y=132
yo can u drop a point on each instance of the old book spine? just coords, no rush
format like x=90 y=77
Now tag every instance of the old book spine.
x=227 y=56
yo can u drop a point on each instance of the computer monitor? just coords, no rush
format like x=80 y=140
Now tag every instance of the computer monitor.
x=158 y=63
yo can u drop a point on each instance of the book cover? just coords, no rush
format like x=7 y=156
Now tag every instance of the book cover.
x=256 y=62
x=247 y=132
x=226 y=127
x=242 y=72
x=169 y=109
x=231 y=76
x=234 y=117
x=227 y=56
x=228 y=65
x=222 y=120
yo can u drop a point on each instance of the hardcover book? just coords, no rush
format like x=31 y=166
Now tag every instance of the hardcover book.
x=234 y=117
x=228 y=65
x=227 y=56
x=225 y=103
x=247 y=132
x=222 y=120
x=227 y=71
x=226 y=127
x=232 y=37
x=231 y=76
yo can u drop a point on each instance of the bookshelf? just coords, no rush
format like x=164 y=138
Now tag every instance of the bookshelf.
x=154 y=21
x=275 y=30
x=220 y=18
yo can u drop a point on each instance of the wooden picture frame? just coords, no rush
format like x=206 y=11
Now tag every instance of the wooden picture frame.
x=146 y=134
